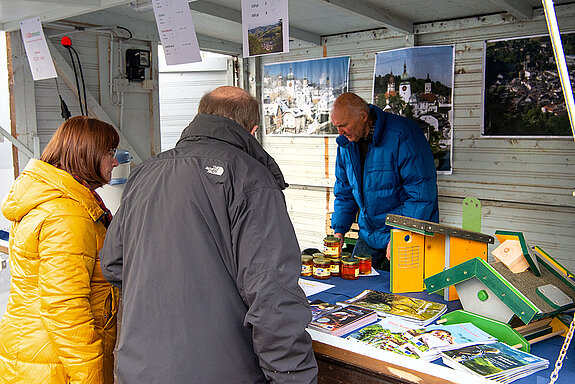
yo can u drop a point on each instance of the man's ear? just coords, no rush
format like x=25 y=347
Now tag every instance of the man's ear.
x=254 y=129
x=364 y=115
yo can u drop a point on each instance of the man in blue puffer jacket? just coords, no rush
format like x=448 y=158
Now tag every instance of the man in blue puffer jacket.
x=384 y=165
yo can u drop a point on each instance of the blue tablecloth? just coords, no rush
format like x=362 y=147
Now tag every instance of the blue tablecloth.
x=548 y=349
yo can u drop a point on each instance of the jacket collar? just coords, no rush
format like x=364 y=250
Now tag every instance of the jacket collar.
x=224 y=129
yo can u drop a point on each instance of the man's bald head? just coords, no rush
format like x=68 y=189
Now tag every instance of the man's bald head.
x=350 y=101
x=233 y=103
x=350 y=115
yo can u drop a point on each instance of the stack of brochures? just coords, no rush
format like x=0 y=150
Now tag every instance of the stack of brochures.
x=496 y=361
x=320 y=308
x=419 y=311
x=343 y=320
x=424 y=343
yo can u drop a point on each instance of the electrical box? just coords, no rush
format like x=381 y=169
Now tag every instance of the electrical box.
x=137 y=60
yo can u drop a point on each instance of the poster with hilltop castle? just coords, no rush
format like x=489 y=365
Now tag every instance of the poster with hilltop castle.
x=523 y=94
x=417 y=83
x=297 y=96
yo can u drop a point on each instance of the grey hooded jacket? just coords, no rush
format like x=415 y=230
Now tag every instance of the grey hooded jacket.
x=208 y=262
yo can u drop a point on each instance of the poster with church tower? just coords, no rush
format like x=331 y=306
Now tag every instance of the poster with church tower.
x=297 y=96
x=417 y=83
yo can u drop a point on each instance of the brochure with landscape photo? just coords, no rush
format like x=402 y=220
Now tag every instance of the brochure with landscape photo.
x=496 y=361
x=420 y=311
x=424 y=342
x=344 y=320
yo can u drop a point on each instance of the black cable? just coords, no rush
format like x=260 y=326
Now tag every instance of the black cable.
x=83 y=82
x=125 y=29
x=76 y=77
x=64 y=111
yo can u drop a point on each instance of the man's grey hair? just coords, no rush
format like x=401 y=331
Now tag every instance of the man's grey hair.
x=233 y=103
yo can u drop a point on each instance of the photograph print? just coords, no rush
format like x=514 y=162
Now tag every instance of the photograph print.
x=297 y=97
x=523 y=93
x=417 y=83
x=266 y=39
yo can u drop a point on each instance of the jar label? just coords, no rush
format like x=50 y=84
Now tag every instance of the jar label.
x=306 y=270
x=334 y=268
x=321 y=272
x=331 y=250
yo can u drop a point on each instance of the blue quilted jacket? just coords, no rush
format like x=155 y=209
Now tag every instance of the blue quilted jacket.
x=399 y=177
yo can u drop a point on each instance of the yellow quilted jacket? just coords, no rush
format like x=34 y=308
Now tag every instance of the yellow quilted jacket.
x=60 y=323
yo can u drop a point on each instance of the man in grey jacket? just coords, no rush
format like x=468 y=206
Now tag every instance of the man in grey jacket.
x=208 y=261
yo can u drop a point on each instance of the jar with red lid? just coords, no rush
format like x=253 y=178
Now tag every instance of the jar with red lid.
x=306 y=265
x=350 y=268
x=364 y=264
x=321 y=268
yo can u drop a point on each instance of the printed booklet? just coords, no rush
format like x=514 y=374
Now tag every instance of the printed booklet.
x=496 y=361
x=425 y=342
x=320 y=308
x=419 y=311
x=343 y=320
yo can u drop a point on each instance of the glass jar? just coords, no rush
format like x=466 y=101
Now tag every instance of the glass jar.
x=306 y=265
x=349 y=268
x=364 y=264
x=331 y=246
x=335 y=267
x=321 y=268
x=345 y=255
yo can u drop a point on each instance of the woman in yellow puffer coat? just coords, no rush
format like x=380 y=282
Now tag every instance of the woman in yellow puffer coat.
x=60 y=323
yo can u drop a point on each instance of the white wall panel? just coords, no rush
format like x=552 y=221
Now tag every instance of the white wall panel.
x=181 y=91
x=138 y=120
x=524 y=184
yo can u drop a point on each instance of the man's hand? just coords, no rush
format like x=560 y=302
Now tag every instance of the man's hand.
x=388 y=251
x=340 y=237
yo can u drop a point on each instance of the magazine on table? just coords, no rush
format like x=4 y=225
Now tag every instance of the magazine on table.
x=419 y=311
x=343 y=320
x=320 y=308
x=379 y=336
x=495 y=361
x=423 y=342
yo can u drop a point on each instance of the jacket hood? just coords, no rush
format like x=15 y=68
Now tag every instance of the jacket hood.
x=41 y=182
x=227 y=130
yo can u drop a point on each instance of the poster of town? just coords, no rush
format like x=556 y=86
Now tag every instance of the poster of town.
x=523 y=94
x=297 y=96
x=417 y=83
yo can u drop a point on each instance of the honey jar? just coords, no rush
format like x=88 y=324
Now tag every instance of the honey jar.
x=364 y=264
x=306 y=265
x=349 y=268
x=321 y=268
x=335 y=266
x=331 y=246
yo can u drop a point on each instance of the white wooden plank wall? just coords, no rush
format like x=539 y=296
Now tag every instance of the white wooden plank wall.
x=524 y=184
x=47 y=101
x=140 y=115
x=181 y=91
